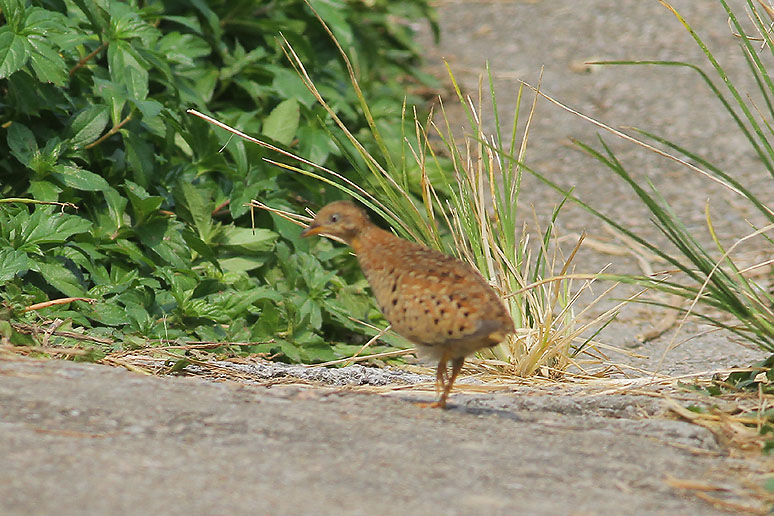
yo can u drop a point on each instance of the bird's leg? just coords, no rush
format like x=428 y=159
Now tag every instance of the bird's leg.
x=441 y=379
x=446 y=381
x=456 y=368
x=440 y=376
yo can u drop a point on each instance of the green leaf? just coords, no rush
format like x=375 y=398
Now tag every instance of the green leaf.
x=199 y=209
x=25 y=148
x=47 y=63
x=243 y=193
x=209 y=16
x=126 y=22
x=289 y=85
x=159 y=236
x=139 y=315
x=48 y=25
x=197 y=245
x=61 y=278
x=241 y=263
x=175 y=366
x=22 y=339
x=236 y=148
x=6 y=330
x=312 y=271
x=334 y=15
x=290 y=350
x=187 y=21
x=350 y=300
x=44 y=191
x=236 y=304
x=315 y=145
x=143 y=204
x=129 y=249
x=22 y=143
x=139 y=157
x=51 y=227
x=148 y=108
x=201 y=308
x=116 y=207
x=112 y=94
x=96 y=14
x=125 y=68
x=13 y=11
x=310 y=310
x=87 y=125
x=240 y=61
x=14 y=52
x=244 y=238
x=313 y=348
x=282 y=123
x=12 y=263
x=269 y=323
x=183 y=48
x=109 y=314
x=80 y=179
x=207 y=287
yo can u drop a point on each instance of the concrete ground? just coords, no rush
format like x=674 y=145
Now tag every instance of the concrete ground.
x=89 y=439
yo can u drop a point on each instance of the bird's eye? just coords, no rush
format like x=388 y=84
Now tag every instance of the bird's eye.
x=335 y=217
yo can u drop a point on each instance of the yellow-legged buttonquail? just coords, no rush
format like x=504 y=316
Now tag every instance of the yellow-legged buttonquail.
x=442 y=305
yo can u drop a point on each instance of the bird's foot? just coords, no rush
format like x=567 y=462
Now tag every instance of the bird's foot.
x=435 y=404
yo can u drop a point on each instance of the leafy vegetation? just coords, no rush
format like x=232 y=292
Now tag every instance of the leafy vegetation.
x=146 y=236
x=467 y=205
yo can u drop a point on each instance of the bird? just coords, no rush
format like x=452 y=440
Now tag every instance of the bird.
x=442 y=305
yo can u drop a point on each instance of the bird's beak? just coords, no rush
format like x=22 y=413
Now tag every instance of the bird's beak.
x=313 y=229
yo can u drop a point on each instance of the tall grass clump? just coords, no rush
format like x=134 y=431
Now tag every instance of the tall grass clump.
x=462 y=198
x=716 y=286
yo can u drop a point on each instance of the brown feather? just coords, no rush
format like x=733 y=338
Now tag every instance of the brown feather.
x=438 y=302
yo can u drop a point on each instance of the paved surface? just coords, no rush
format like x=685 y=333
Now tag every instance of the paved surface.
x=517 y=38
x=89 y=439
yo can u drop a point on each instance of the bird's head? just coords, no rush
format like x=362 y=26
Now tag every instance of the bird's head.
x=341 y=219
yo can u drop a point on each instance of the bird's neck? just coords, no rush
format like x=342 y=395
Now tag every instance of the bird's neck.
x=368 y=238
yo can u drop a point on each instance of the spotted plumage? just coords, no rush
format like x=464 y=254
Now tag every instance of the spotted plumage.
x=441 y=304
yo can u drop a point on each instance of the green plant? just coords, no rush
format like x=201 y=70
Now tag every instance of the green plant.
x=466 y=205
x=718 y=290
x=146 y=229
